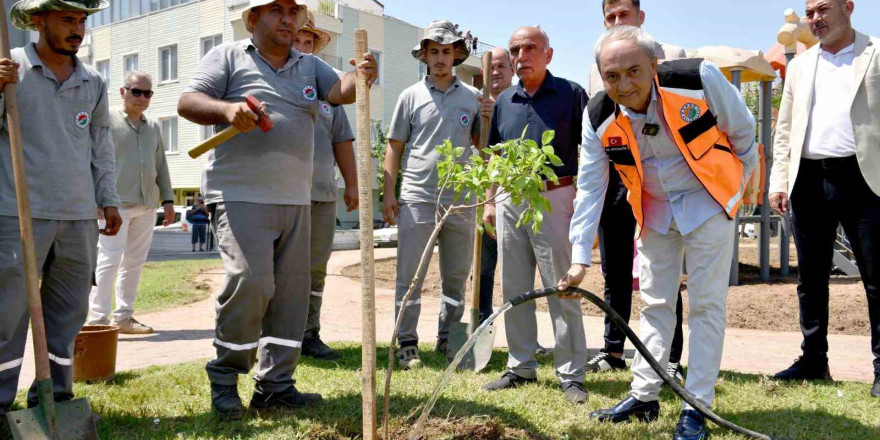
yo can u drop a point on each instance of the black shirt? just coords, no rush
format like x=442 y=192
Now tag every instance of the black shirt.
x=557 y=105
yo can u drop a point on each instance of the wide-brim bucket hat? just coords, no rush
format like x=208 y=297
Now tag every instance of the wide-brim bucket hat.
x=22 y=12
x=322 y=39
x=442 y=32
x=301 y=18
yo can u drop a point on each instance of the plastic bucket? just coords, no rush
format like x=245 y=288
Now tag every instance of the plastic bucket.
x=94 y=353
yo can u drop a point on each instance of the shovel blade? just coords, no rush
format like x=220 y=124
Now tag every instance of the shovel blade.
x=479 y=355
x=75 y=422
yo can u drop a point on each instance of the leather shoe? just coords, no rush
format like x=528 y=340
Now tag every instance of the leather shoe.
x=691 y=426
x=628 y=409
x=805 y=368
x=875 y=392
x=225 y=401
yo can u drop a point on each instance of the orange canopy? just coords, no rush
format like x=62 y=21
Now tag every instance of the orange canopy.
x=776 y=56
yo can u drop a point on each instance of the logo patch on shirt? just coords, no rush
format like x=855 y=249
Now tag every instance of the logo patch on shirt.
x=615 y=141
x=82 y=119
x=690 y=112
x=325 y=108
x=310 y=93
x=464 y=119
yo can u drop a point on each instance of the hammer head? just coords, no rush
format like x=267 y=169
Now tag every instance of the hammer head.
x=263 y=120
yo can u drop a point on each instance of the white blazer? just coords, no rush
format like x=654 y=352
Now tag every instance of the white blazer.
x=797 y=103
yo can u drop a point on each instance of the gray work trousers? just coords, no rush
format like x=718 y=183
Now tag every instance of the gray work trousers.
x=520 y=250
x=262 y=307
x=456 y=240
x=66 y=252
x=323 y=230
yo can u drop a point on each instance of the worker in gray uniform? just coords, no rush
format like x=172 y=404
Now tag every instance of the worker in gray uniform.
x=258 y=187
x=437 y=108
x=68 y=156
x=333 y=146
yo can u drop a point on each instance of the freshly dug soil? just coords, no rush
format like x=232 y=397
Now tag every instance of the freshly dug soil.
x=753 y=304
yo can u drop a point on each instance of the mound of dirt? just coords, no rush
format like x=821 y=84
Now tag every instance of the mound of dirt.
x=754 y=304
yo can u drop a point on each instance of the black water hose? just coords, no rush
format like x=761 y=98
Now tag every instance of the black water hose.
x=622 y=324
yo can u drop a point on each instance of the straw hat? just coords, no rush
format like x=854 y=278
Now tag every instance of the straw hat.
x=22 y=12
x=301 y=17
x=443 y=32
x=322 y=39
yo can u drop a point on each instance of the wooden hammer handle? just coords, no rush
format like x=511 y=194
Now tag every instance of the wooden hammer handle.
x=213 y=142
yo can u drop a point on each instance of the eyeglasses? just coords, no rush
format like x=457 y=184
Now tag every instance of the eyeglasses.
x=138 y=92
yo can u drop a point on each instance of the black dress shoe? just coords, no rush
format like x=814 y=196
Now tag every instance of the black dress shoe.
x=875 y=392
x=805 y=368
x=289 y=398
x=691 y=426
x=225 y=401
x=628 y=409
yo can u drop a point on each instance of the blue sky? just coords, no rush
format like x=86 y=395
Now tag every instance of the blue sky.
x=574 y=25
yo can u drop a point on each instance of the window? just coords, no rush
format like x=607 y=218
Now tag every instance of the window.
x=129 y=63
x=373 y=134
x=168 y=63
x=205 y=132
x=169 y=133
x=209 y=43
x=103 y=67
x=423 y=70
x=378 y=56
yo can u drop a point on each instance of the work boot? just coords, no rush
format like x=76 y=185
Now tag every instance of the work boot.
x=674 y=370
x=605 y=362
x=805 y=368
x=314 y=347
x=574 y=392
x=225 y=401
x=408 y=357
x=442 y=345
x=508 y=380
x=875 y=391
x=130 y=326
x=289 y=398
x=628 y=409
x=99 y=321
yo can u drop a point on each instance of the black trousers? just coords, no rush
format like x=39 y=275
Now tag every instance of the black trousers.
x=488 y=262
x=617 y=228
x=829 y=192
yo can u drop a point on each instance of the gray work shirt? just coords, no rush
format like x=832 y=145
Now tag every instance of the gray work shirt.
x=141 y=170
x=68 y=151
x=273 y=167
x=332 y=128
x=423 y=119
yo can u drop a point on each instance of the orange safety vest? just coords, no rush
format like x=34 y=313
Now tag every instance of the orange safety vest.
x=694 y=131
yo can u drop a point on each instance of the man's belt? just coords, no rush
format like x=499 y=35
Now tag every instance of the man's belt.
x=563 y=182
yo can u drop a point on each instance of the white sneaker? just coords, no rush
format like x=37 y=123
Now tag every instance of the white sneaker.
x=130 y=326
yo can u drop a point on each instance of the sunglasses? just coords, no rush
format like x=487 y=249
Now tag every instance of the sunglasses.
x=138 y=92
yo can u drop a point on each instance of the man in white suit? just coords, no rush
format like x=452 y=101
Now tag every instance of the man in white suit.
x=827 y=161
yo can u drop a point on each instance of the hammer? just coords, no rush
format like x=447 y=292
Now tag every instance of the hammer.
x=263 y=122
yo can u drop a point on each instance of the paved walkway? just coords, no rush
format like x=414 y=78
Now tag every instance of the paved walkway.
x=184 y=334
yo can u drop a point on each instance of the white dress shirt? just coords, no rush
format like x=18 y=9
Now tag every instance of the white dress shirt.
x=830 y=131
x=670 y=190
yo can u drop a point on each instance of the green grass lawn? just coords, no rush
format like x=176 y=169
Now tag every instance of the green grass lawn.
x=170 y=284
x=174 y=403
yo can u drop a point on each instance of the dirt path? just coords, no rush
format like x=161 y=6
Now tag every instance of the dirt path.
x=184 y=334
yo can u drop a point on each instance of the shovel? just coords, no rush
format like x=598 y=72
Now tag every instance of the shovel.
x=459 y=332
x=48 y=420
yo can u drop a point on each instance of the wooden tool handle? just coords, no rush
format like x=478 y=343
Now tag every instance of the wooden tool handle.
x=368 y=288
x=213 y=142
x=38 y=328
x=484 y=140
